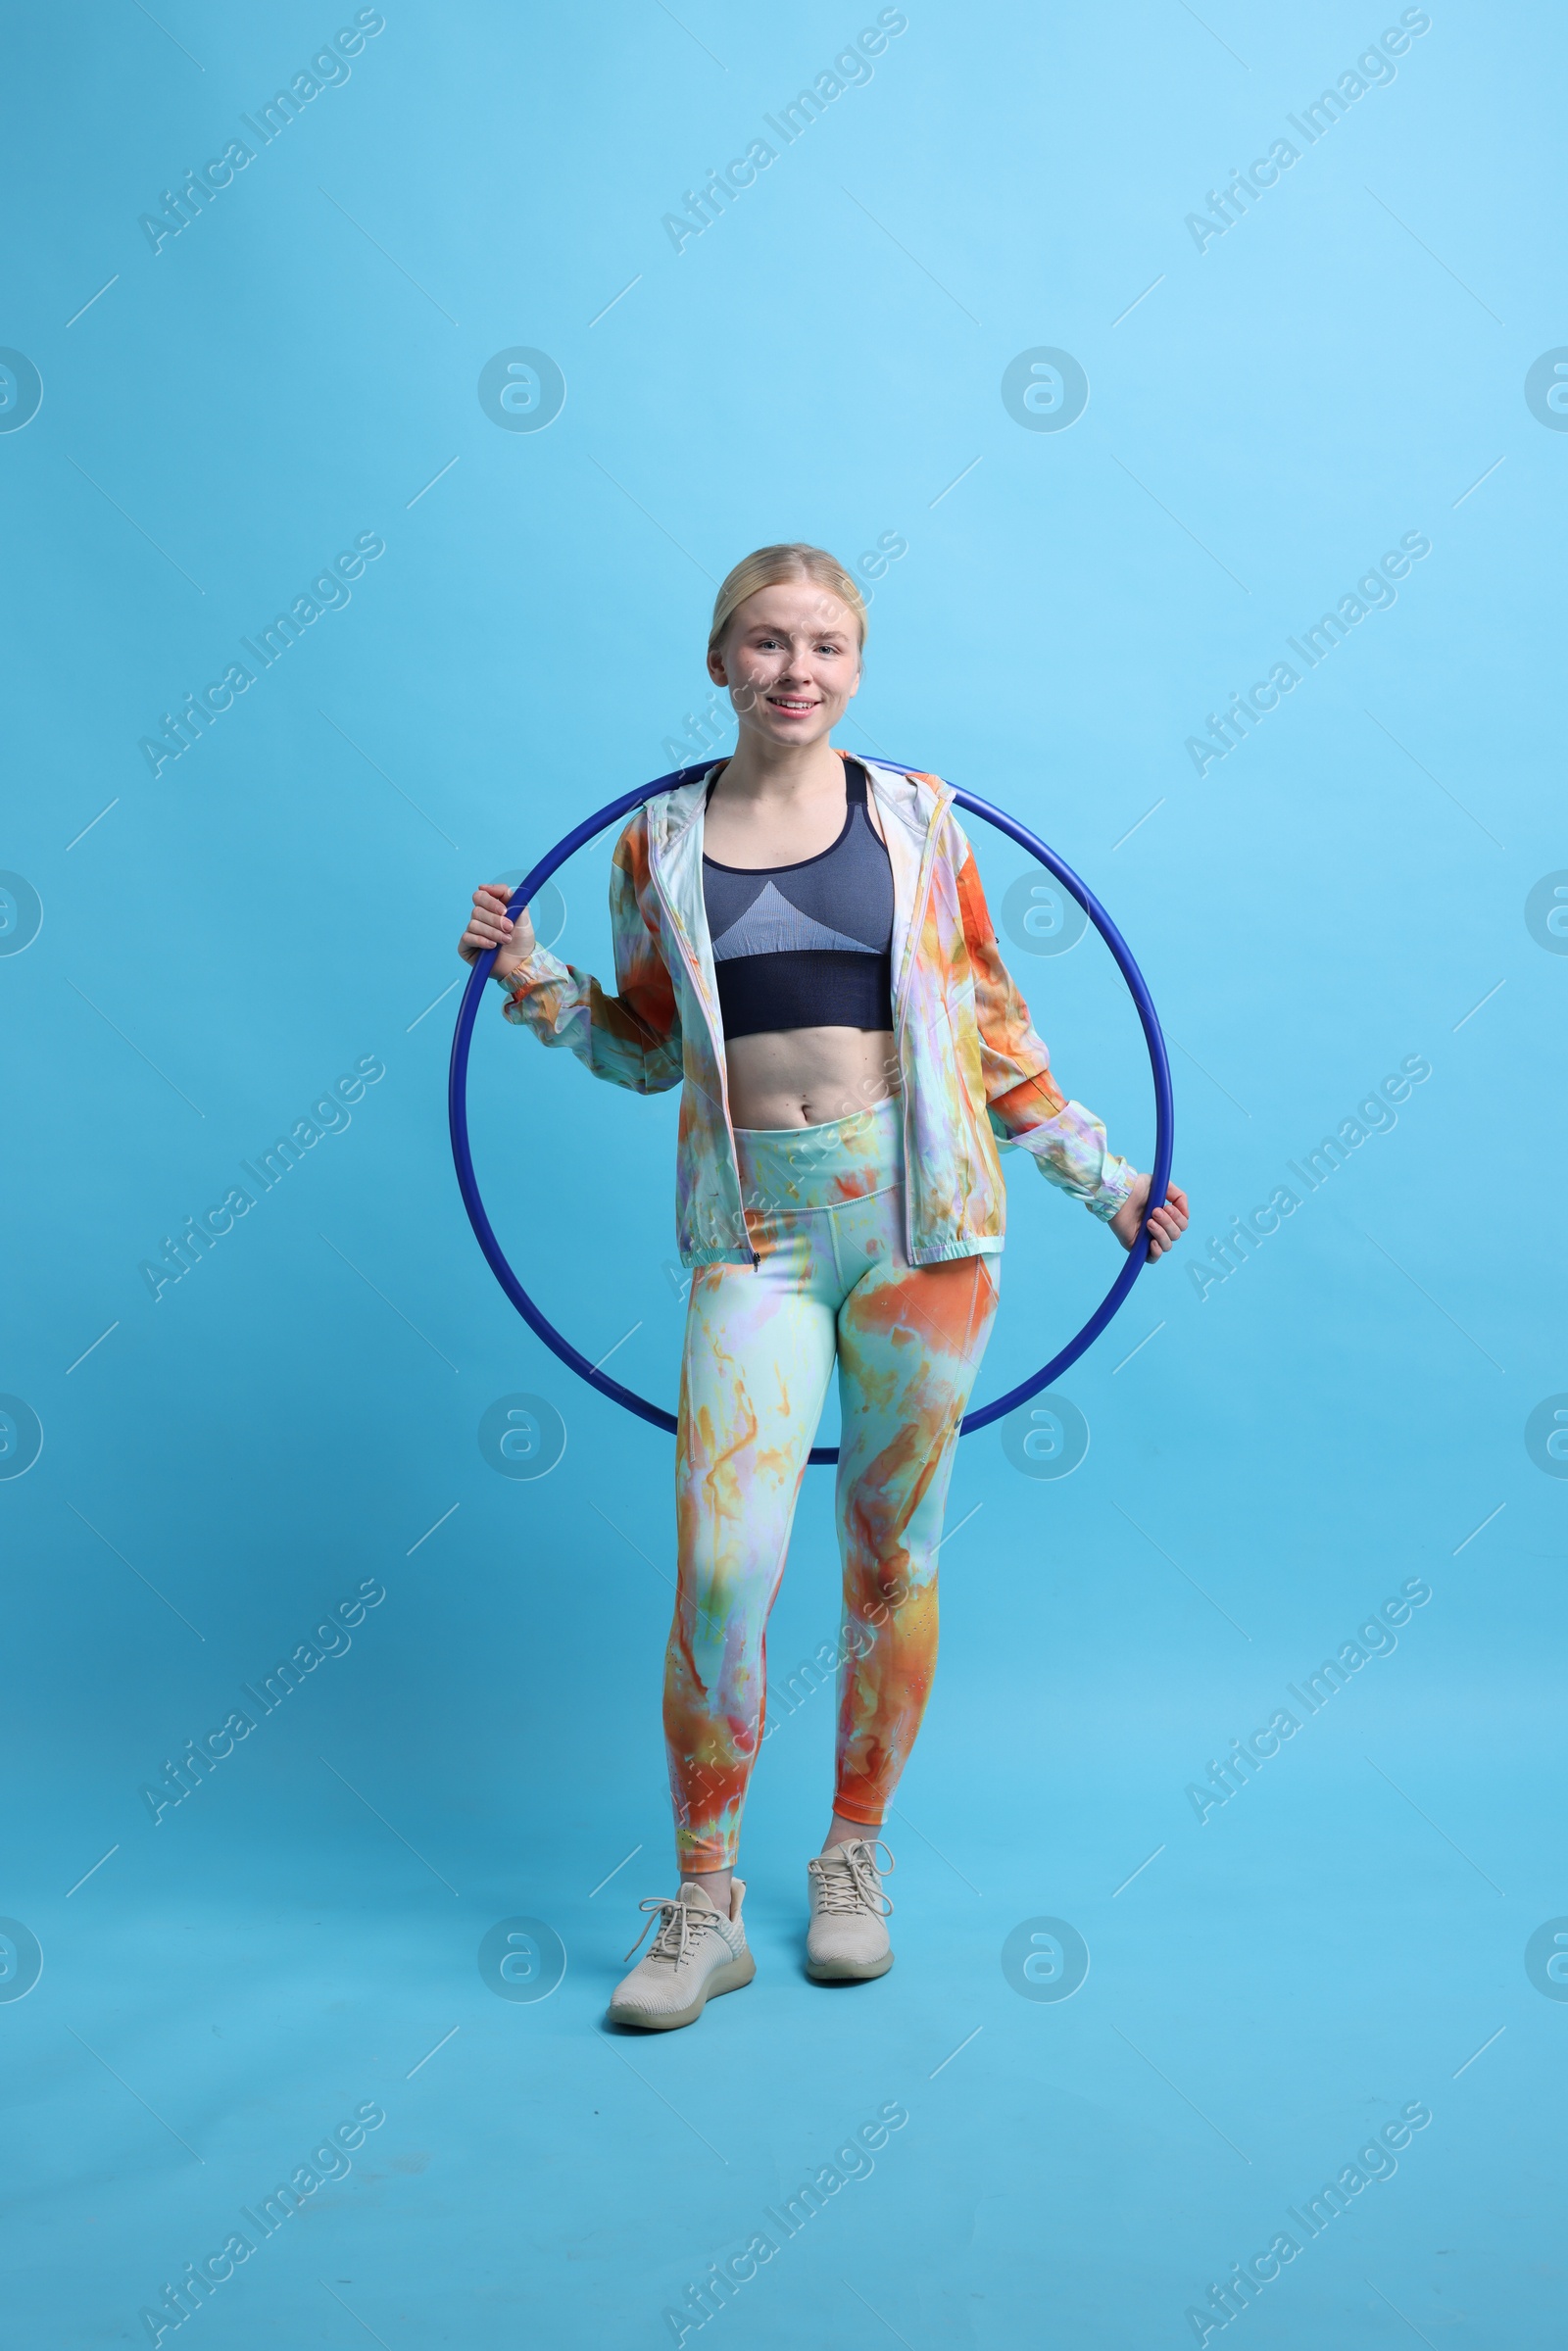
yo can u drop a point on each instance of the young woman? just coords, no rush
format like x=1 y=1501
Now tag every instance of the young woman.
x=802 y=941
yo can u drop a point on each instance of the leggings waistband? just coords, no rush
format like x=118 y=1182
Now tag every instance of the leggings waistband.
x=784 y=1170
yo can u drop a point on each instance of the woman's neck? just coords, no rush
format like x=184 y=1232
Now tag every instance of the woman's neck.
x=759 y=770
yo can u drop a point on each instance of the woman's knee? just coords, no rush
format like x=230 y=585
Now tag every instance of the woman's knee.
x=878 y=1596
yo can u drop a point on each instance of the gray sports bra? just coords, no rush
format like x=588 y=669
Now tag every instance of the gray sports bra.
x=807 y=945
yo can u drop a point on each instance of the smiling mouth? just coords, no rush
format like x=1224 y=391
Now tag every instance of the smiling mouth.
x=793 y=705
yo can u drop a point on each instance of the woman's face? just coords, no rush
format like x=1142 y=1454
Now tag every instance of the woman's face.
x=791 y=659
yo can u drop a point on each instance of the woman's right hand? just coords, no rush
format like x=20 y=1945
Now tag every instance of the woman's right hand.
x=488 y=927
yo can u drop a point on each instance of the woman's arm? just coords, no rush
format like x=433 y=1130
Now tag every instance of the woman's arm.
x=1066 y=1142
x=632 y=1037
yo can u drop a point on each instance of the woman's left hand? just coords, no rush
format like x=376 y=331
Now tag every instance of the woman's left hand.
x=1165 y=1224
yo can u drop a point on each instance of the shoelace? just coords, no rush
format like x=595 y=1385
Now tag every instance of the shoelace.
x=853 y=1884
x=673 y=1940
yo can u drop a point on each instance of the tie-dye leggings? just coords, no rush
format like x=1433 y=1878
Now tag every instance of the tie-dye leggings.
x=760 y=1343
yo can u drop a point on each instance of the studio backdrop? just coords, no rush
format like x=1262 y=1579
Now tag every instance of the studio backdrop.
x=383 y=397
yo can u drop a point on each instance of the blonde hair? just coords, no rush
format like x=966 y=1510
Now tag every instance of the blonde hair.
x=770 y=567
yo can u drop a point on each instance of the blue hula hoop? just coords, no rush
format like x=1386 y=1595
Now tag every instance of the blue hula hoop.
x=467 y=1183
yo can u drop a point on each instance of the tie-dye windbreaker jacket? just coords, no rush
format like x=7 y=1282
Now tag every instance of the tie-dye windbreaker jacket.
x=972 y=1070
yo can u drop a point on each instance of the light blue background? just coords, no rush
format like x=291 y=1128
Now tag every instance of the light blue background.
x=1265 y=417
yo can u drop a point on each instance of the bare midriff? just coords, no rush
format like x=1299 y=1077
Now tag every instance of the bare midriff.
x=805 y=1077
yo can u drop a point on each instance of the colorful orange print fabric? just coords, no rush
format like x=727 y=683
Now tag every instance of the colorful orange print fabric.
x=833 y=1284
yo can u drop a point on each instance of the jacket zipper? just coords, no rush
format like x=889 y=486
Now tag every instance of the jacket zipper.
x=694 y=970
x=922 y=891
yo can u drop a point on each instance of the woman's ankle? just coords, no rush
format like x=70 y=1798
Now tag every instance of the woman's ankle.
x=716 y=1883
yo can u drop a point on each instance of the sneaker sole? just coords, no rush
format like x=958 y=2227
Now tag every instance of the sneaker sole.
x=848 y=1971
x=734 y=1976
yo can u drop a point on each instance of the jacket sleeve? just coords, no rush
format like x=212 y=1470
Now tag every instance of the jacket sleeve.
x=631 y=1038
x=1066 y=1142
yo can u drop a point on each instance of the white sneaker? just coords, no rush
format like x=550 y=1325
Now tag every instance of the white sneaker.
x=847 y=1940
x=696 y=1954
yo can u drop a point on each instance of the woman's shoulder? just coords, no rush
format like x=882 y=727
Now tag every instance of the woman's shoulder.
x=659 y=819
x=922 y=799
x=908 y=787
x=630 y=851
